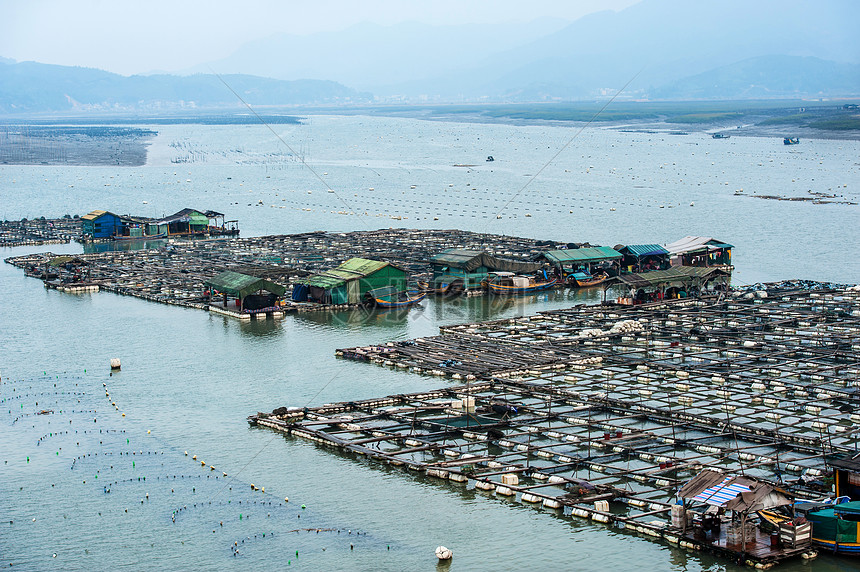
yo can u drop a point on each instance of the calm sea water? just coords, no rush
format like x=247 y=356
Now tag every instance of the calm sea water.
x=189 y=379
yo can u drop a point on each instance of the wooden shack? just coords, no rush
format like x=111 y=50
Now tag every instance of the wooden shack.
x=700 y=251
x=183 y=223
x=585 y=260
x=720 y=511
x=643 y=257
x=676 y=282
x=103 y=224
x=248 y=293
x=471 y=267
x=349 y=282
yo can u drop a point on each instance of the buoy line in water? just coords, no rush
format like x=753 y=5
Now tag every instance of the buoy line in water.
x=114 y=476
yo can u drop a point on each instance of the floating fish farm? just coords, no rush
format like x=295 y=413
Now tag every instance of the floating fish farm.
x=175 y=272
x=39 y=231
x=604 y=412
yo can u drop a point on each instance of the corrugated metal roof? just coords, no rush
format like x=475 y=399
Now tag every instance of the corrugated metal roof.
x=643 y=249
x=721 y=493
x=93 y=215
x=695 y=243
x=186 y=215
x=733 y=492
x=761 y=496
x=674 y=275
x=352 y=269
x=850 y=463
x=590 y=254
x=359 y=267
x=324 y=281
x=241 y=285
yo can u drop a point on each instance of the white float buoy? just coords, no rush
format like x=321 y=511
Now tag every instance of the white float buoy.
x=443 y=553
x=115 y=363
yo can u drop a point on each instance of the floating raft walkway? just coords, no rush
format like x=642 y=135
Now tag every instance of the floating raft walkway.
x=603 y=412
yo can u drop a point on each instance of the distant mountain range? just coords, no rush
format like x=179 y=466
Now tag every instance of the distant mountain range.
x=666 y=49
x=366 y=56
x=767 y=77
x=35 y=87
x=665 y=42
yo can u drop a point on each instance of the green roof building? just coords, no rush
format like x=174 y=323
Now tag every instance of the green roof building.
x=250 y=293
x=586 y=260
x=349 y=282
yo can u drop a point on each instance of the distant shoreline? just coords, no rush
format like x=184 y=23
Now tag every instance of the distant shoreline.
x=123 y=140
x=666 y=128
x=809 y=120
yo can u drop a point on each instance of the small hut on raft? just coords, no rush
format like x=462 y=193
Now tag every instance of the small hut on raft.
x=468 y=268
x=248 y=293
x=349 y=282
x=700 y=251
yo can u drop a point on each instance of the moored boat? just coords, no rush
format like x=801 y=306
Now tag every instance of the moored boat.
x=390 y=297
x=834 y=526
x=443 y=286
x=583 y=280
x=400 y=300
x=509 y=283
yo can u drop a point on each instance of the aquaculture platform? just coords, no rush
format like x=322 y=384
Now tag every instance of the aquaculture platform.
x=603 y=412
x=38 y=232
x=175 y=273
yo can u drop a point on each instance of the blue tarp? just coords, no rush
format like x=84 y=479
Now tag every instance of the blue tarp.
x=720 y=494
x=300 y=293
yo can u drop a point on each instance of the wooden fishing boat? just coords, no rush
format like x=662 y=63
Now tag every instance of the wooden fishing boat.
x=400 y=299
x=583 y=280
x=509 y=283
x=443 y=286
x=391 y=297
x=834 y=526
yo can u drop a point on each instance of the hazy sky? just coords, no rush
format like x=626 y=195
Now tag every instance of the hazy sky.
x=139 y=36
